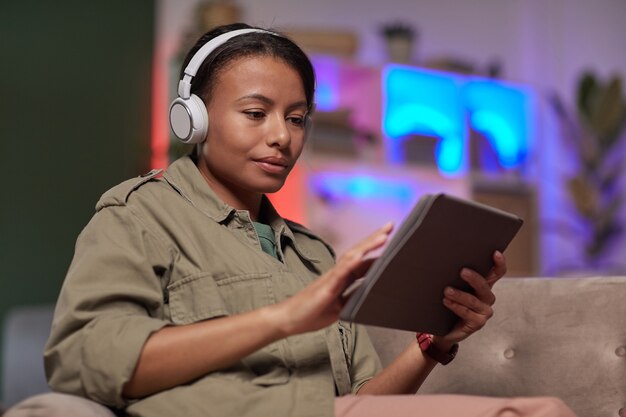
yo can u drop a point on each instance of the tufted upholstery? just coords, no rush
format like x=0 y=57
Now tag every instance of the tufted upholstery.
x=562 y=337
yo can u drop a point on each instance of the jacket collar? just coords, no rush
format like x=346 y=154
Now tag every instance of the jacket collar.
x=183 y=175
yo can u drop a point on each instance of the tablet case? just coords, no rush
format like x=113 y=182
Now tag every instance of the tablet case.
x=403 y=289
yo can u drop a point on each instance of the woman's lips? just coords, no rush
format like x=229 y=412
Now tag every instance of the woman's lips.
x=272 y=165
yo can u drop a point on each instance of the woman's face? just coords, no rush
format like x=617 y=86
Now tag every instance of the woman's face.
x=256 y=127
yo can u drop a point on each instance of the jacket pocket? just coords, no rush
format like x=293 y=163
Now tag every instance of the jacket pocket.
x=204 y=296
x=195 y=298
x=246 y=292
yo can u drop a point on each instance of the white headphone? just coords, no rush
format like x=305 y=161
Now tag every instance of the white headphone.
x=188 y=117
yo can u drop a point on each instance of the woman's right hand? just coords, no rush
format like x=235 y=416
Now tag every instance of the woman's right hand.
x=319 y=304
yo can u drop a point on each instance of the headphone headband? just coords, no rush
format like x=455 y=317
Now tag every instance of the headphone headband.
x=184 y=86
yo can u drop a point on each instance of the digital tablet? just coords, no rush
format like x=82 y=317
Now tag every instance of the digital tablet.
x=403 y=289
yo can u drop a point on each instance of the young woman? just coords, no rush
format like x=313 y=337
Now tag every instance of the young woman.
x=190 y=296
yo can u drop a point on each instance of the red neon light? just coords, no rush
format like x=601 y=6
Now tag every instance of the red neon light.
x=159 y=141
x=290 y=200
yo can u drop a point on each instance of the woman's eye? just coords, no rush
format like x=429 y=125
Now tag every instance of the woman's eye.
x=296 y=120
x=256 y=115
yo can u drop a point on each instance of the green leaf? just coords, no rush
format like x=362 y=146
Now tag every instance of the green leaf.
x=609 y=113
x=586 y=89
x=584 y=195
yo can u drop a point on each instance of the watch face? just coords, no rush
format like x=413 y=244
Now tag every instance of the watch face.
x=445 y=358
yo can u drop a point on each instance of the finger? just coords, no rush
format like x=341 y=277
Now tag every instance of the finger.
x=375 y=240
x=367 y=245
x=471 y=320
x=362 y=268
x=344 y=272
x=482 y=288
x=467 y=301
x=498 y=270
x=352 y=265
x=355 y=273
x=463 y=330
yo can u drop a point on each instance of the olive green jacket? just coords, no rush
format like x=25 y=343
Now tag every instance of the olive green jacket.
x=163 y=249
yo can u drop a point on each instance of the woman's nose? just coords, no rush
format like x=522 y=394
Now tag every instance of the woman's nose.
x=279 y=134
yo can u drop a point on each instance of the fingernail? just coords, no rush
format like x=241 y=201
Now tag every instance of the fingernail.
x=449 y=290
x=465 y=273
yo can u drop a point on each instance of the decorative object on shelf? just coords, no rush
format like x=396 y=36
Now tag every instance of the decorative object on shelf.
x=450 y=64
x=400 y=40
x=341 y=43
x=213 y=13
x=596 y=135
x=334 y=134
x=492 y=69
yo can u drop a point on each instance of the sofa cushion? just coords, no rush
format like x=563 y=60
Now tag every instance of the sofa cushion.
x=562 y=337
x=26 y=330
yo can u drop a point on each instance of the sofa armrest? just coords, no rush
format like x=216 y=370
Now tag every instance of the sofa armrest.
x=26 y=329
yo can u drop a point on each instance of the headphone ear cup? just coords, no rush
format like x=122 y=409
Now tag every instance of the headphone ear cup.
x=189 y=119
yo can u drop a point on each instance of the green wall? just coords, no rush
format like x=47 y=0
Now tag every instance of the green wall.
x=75 y=83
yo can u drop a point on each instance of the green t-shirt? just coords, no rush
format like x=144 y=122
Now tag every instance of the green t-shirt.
x=266 y=237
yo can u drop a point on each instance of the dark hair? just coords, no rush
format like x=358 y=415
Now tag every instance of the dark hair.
x=249 y=44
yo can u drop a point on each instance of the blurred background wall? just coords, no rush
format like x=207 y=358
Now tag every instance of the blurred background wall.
x=75 y=94
x=545 y=44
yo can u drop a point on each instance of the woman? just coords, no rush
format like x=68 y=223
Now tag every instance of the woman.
x=189 y=295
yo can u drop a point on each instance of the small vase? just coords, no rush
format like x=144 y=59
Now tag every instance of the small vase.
x=400 y=49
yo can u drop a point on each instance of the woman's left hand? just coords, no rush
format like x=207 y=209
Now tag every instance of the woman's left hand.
x=405 y=374
x=473 y=309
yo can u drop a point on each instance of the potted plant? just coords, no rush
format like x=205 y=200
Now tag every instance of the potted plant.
x=597 y=136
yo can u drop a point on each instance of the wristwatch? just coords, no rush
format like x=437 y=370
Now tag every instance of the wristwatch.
x=425 y=342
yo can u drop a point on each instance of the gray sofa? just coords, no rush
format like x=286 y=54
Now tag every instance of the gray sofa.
x=558 y=337
x=561 y=337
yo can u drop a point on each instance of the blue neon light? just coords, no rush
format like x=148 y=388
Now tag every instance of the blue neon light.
x=501 y=113
x=420 y=102
x=449 y=154
x=327 y=82
x=412 y=118
x=361 y=187
x=501 y=135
